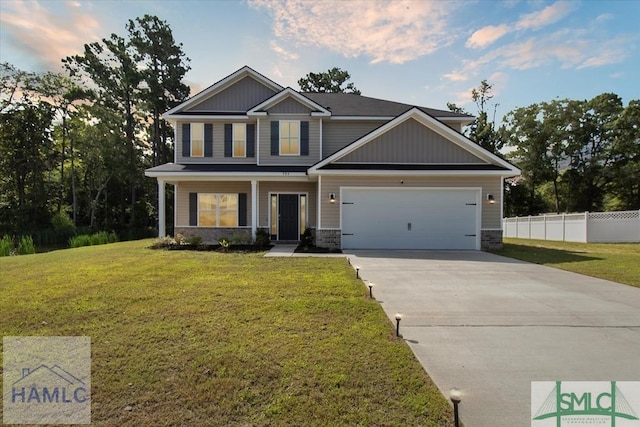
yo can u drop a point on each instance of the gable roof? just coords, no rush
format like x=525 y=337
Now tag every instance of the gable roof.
x=220 y=85
x=348 y=104
x=317 y=109
x=494 y=164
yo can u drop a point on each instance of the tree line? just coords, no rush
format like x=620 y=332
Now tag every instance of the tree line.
x=74 y=145
x=575 y=155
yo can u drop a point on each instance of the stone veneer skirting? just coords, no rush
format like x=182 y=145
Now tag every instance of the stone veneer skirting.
x=211 y=235
x=330 y=239
x=490 y=239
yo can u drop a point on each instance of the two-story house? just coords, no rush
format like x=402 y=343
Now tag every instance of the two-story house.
x=360 y=172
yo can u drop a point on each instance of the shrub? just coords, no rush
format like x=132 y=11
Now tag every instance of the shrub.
x=163 y=242
x=194 y=240
x=240 y=239
x=180 y=240
x=263 y=238
x=224 y=243
x=63 y=225
x=26 y=246
x=99 y=238
x=307 y=238
x=6 y=246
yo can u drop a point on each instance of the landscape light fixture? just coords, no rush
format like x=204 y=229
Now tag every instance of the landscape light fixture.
x=456 y=396
x=491 y=199
x=398 y=319
x=370 y=290
x=357 y=271
x=332 y=197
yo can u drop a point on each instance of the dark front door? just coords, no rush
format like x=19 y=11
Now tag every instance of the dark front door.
x=288 y=217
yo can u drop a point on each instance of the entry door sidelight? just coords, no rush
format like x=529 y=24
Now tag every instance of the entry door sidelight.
x=288 y=217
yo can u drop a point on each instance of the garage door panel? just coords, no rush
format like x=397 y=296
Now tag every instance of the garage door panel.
x=409 y=219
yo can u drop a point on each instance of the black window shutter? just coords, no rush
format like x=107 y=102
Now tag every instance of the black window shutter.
x=228 y=143
x=193 y=209
x=242 y=210
x=275 y=138
x=304 y=138
x=186 y=139
x=251 y=140
x=208 y=140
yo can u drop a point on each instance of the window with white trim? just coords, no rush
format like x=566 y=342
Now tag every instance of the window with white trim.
x=197 y=139
x=289 y=138
x=239 y=140
x=217 y=210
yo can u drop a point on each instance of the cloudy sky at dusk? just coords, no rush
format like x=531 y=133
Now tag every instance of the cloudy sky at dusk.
x=418 y=52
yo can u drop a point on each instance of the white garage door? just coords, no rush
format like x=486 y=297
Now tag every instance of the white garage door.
x=382 y=218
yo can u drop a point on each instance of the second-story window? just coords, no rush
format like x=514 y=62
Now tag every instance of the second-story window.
x=239 y=140
x=289 y=138
x=197 y=139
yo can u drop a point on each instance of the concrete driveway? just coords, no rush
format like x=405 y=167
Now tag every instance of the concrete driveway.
x=490 y=325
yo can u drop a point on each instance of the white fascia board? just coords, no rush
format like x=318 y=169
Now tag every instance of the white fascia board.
x=356 y=118
x=320 y=114
x=234 y=176
x=346 y=172
x=257 y=114
x=223 y=84
x=195 y=118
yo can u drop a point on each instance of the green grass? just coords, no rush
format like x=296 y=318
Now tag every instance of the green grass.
x=611 y=261
x=203 y=338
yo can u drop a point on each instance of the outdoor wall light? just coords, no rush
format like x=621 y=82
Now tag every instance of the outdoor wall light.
x=332 y=197
x=398 y=319
x=456 y=396
x=370 y=290
x=490 y=198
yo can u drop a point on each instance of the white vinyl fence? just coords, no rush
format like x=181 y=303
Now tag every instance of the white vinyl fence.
x=587 y=227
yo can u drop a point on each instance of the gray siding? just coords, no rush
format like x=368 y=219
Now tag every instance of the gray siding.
x=241 y=96
x=218 y=145
x=411 y=142
x=265 y=142
x=337 y=134
x=289 y=106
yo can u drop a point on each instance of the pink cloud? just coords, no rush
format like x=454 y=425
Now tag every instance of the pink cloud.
x=486 y=35
x=395 y=32
x=45 y=36
x=546 y=16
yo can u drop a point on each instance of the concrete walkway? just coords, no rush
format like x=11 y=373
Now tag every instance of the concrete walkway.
x=490 y=325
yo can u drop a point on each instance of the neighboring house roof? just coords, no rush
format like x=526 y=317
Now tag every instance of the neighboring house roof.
x=348 y=104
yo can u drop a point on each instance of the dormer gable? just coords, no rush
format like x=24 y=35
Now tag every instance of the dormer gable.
x=234 y=94
x=288 y=101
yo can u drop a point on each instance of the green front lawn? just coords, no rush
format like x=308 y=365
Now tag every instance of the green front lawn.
x=611 y=261
x=203 y=338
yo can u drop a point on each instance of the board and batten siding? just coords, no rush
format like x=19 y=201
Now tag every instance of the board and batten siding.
x=218 y=144
x=289 y=106
x=490 y=184
x=265 y=142
x=267 y=187
x=410 y=142
x=337 y=134
x=239 y=97
x=184 y=188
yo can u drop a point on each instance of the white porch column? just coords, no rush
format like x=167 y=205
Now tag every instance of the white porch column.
x=161 y=209
x=254 y=207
